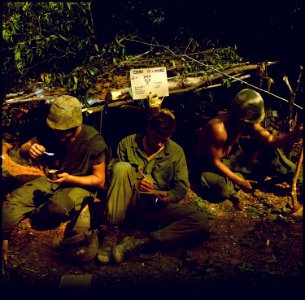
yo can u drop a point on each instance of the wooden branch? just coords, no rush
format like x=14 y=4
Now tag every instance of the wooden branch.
x=42 y=93
x=28 y=99
x=11 y=95
x=99 y=108
x=118 y=102
x=295 y=204
x=21 y=97
x=178 y=85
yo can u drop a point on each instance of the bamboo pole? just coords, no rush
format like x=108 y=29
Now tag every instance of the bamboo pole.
x=295 y=204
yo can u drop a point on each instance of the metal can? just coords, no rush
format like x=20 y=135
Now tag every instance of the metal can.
x=52 y=174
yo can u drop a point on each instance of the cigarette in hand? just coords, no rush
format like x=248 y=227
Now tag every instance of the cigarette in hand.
x=142 y=173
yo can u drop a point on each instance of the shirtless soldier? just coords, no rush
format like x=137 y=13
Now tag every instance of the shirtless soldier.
x=215 y=174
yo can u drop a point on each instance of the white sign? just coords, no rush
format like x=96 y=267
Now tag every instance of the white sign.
x=148 y=80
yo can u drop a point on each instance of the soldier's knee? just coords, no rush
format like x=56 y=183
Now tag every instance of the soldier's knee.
x=122 y=168
x=11 y=217
x=56 y=209
x=49 y=216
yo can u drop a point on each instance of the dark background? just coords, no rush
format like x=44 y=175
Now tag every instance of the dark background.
x=260 y=29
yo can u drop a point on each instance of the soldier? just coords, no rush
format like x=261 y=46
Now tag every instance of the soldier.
x=81 y=153
x=148 y=179
x=217 y=174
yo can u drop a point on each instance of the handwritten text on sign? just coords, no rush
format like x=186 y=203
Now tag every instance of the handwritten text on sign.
x=144 y=81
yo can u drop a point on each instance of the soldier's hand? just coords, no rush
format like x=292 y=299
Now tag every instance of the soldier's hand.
x=144 y=185
x=247 y=186
x=36 y=150
x=61 y=177
x=163 y=197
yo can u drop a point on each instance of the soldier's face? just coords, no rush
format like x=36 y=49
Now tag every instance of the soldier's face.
x=156 y=140
x=65 y=136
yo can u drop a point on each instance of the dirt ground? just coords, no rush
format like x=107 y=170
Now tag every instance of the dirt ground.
x=258 y=249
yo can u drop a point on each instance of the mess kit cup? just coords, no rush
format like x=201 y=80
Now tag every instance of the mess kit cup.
x=52 y=174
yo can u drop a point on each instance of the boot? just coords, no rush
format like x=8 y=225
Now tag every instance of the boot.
x=80 y=222
x=104 y=255
x=129 y=246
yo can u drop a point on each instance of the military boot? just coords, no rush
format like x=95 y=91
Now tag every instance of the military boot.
x=128 y=247
x=104 y=255
x=79 y=223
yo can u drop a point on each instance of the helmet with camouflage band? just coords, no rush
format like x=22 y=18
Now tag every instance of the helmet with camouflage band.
x=65 y=113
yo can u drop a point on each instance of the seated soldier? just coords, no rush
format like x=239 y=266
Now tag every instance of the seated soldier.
x=147 y=180
x=81 y=154
x=217 y=174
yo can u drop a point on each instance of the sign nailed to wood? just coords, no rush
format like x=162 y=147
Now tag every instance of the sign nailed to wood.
x=148 y=80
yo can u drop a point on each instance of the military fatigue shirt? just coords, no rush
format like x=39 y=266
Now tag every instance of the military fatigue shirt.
x=167 y=170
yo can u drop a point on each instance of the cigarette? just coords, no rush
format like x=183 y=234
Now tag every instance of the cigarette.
x=142 y=173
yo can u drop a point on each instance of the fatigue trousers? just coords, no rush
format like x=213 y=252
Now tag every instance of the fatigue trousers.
x=217 y=187
x=257 y=166
x=46 y=204
x=169 y=224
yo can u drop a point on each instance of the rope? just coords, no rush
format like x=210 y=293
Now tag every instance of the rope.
x=242 y=81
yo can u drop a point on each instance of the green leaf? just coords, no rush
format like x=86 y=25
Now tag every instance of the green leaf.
x=5 y=35
x=17 y=55
x=47 y=79
x=200 y=204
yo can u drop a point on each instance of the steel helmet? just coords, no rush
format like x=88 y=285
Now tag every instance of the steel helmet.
x=248 y=105
x=65 y=113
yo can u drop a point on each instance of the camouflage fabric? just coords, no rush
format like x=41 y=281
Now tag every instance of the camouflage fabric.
x=65 y=113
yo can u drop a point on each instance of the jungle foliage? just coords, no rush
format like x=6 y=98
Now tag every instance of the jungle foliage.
x=72 y=44
x=56 y=43
x=49 y=41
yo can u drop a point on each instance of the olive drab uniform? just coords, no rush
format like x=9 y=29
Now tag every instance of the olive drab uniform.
x=255 y=163
x=48 y=204
x=169 y=223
